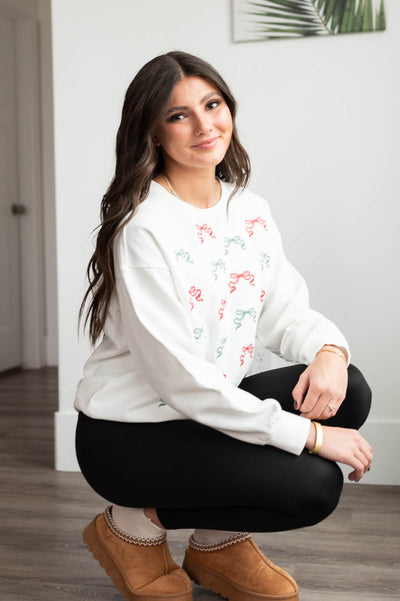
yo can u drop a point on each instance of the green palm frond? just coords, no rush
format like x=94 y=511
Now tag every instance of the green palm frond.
x=288 y=18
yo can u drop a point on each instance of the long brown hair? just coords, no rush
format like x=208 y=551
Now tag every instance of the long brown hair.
x=138 y=162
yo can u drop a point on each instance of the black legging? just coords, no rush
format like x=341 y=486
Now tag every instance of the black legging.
x=198 y=477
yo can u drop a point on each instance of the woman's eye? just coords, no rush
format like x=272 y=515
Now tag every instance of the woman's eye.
x=176 y=117
x=213 y=104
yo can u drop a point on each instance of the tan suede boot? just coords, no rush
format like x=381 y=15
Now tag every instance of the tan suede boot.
x=141 y=571
x=237 y=570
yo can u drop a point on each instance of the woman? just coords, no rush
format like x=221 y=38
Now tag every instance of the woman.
x=188 y=273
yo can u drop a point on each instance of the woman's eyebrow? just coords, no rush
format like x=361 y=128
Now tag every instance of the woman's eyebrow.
x=176 y=108
x=185 y=108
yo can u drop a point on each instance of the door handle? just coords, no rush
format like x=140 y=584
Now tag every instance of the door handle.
x=18 y=209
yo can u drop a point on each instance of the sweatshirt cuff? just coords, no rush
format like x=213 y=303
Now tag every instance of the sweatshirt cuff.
x=290 y=433
x=311 y=347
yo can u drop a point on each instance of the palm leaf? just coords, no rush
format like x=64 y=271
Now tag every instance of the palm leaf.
x=288 y=18
x=348 y=16
x=368 y=23
x=338 y=15
x=359 y=17
x=331 y=9
x=380 y=20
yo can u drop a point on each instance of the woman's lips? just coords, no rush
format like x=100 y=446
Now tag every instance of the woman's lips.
x=210 y=143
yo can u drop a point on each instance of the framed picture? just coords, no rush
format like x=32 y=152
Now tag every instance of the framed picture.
x=273 y=19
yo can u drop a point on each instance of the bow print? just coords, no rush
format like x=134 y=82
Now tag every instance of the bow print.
x=251 y=224
x=235 y=277
x=240 y=315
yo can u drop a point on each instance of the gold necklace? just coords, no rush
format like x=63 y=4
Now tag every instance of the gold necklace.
x=175 y=194
x=169 y=186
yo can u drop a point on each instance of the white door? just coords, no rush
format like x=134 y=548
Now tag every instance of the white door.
x=10 y=302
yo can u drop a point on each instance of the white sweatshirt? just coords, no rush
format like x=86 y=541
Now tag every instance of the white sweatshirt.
x=194 y=288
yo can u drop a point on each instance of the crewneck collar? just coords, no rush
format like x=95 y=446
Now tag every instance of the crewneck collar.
x=225 y=191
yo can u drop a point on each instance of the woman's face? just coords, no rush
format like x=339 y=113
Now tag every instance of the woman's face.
x=196 y=129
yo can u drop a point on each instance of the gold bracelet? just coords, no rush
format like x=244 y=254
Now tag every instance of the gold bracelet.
x=331 y=350
x=318 y=440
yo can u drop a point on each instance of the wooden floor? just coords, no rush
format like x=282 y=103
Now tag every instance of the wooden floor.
x=353 y=555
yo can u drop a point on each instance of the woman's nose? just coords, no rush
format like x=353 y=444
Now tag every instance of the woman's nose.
x=202 y=124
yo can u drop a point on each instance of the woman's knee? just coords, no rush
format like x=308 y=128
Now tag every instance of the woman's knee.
x=358 y=398
x=322 y=491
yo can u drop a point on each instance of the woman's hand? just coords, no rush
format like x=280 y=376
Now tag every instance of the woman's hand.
x=321 y=387
x=346 y=446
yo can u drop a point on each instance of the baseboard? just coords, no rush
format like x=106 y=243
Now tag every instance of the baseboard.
x=382 y=435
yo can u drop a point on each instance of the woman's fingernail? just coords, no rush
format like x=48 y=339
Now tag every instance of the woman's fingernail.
x=295 y=405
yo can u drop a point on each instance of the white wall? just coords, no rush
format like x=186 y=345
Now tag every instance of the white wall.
x=318 y=118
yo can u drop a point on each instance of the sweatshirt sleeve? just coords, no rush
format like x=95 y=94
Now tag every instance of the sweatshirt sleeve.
x=159 y=335
x=288 y=326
